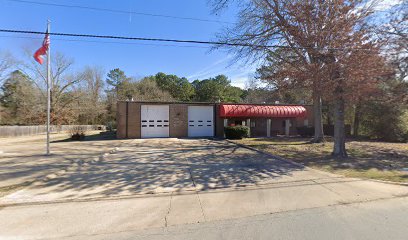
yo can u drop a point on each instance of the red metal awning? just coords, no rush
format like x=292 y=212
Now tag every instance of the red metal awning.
x=247 y=110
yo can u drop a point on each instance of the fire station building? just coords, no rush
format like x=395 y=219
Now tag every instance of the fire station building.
x=182 y=119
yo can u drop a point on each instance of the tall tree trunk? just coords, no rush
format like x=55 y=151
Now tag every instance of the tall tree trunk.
x=339 y=148
x=317 y=115
x=356 y=121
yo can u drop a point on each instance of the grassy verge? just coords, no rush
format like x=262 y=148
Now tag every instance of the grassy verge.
x=374 y=160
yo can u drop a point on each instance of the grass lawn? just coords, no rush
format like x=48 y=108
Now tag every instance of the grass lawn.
x=375 y=160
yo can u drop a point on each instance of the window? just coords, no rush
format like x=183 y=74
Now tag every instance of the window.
x=253 y=124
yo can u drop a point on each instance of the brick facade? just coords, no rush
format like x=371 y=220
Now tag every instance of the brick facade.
x=178 y=120
x=134 y=120
x=129 y=120
x=121 y=120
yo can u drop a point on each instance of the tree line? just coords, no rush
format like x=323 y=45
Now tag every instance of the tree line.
x=89 y=96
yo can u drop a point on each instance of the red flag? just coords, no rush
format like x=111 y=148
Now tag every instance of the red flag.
x=43 y=49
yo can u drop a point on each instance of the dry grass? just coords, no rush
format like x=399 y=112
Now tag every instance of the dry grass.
x=375 y=160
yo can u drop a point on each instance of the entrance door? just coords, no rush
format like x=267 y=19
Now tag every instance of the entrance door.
x=200 y=121
x=155 y=121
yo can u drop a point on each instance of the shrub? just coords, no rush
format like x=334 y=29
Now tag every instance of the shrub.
x=236 y=132
x=77 y=133
x=111 y=126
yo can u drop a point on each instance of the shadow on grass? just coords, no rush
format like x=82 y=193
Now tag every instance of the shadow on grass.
x=363 y=156
x=285 y=140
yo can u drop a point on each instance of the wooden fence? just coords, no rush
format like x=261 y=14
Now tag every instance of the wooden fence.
x=16 y=131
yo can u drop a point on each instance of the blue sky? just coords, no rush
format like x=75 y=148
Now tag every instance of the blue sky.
x=135 y=58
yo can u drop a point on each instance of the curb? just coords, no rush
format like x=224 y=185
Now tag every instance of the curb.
x=386 y=182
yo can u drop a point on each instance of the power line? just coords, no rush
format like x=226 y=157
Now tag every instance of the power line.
x=117 y=11
x=180 y=41
x=112 y=42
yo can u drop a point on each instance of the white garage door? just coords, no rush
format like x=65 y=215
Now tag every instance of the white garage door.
x=155 y=121
x=200 y=121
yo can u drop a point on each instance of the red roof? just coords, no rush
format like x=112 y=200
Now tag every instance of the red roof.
x=232 y=110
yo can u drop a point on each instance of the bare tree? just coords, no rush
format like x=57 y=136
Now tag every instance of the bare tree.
x=6 y=62
x=260 y=91
x=301 y=27
x=395 y=33
x=63 y=83
x=317 y=42
x=90 y=106
x=394 y=37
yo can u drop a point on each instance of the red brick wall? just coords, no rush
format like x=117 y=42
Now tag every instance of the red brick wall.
x=134 y=128
x=121 y=120
x=178 y=120
x=219 y=123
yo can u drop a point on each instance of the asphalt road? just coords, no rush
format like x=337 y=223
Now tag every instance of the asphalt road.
x=381 y=219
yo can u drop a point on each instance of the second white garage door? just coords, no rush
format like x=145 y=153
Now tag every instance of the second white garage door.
x=155 y=121
x=200 y=121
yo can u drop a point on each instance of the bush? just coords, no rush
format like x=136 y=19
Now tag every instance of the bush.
x=111 y=126
x=236 y=132
x=77 y=133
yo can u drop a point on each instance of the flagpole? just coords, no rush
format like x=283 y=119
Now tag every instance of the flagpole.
x=48 y=91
